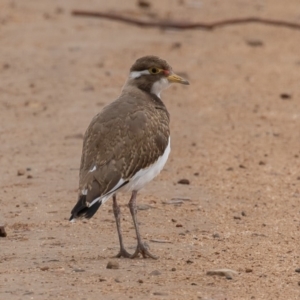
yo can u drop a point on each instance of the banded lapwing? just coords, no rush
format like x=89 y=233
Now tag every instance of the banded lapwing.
x=127 y=144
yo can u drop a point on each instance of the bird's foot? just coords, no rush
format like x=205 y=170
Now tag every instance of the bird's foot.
x=123 y=253
x=143 y=249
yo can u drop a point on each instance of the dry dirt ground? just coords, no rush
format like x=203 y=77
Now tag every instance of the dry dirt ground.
x=235 y=137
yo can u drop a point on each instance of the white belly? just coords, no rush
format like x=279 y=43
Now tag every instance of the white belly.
x=141 y=178
x=144 y=176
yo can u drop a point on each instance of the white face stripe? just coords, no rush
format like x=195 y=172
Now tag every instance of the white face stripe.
x=159 y=86
x=137 y=74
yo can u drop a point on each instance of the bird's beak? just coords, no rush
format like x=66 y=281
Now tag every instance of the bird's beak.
x=177 y=79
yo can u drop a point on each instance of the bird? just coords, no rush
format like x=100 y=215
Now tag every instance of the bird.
x=126 y=145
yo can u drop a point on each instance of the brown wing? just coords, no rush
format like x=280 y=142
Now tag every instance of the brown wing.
x=126 y=136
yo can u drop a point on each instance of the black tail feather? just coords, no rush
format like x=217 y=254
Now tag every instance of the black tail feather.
x=80 y=210
x=92 y=210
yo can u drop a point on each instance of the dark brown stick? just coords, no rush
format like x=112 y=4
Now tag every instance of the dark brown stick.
x=184 y=25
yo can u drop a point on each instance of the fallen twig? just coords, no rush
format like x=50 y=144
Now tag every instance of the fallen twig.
x=184 y=25
x=160 y=241
x=174 y=202
x=181 y=199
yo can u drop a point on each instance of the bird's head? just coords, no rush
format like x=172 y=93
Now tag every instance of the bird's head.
x=153 y=74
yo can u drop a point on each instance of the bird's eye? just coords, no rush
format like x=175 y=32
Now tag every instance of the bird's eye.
x=154 y=70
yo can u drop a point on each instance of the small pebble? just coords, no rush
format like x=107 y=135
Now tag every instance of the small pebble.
x=29 y=176
x=243 y=214
x=285 y=96
x=297 y=270
x=140 y=281
x=2 y=232
x=155 y=273
x=160 y=294
x=143 y=207
x=59 y=10
x=21 y=172
x=144 y=4
x=44 y=268
x=248 y=270
x=28 y=293
x=237 y=217
x=216 y=236
x=183 y=181
x=176 y=45
x=112 y=265
x=178 y=225
x=189 y=261
x=222 y=272
x=78 y=270
x=254 y=43
x=173 y=269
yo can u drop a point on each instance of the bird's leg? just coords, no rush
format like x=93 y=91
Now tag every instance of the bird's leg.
x=141 y=247
x=117 y=213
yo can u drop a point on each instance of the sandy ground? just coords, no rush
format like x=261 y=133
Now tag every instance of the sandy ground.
x=235 y=137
